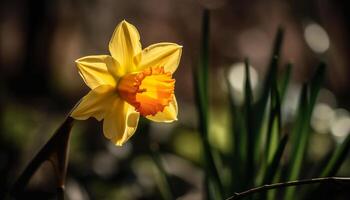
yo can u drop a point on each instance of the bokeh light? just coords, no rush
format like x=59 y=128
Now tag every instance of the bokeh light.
x=236 y=77
x=322 y=118
x=316 y=37
x=340 y=127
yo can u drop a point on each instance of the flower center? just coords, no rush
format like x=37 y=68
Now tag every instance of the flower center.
x=149 y=91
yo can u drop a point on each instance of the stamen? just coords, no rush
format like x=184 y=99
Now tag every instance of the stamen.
x=142 y=90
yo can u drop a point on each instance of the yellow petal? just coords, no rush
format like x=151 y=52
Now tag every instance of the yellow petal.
x=94 y=70
x=96 y=103
x=125 y=45
x=168 y=115
x=121 y=122
x=165 y=55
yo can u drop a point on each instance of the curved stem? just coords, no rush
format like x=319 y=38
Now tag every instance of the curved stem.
x=287 y=184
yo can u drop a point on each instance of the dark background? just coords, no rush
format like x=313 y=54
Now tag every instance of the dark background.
x=39 y=41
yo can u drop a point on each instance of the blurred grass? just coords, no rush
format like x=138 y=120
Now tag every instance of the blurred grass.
x=259 y=141
x=238 y=152
x=283 y=82
x=201 y=76
x=249 y=126
x=337 y=158
x=301 y=132
x=261 y=105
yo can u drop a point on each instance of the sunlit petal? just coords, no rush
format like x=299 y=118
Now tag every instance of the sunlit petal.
x=115 y=69
x=96 y=103
x=165 y=55
x=125 y=44
x=94 y=70
x=169 y=113
x=121 y=122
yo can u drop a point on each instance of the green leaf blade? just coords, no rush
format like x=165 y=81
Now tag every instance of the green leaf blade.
x=201 y=74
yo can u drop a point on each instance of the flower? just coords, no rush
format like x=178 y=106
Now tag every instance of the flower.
x=129 y=83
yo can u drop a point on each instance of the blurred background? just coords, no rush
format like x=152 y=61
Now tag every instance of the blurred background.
x=40 y=40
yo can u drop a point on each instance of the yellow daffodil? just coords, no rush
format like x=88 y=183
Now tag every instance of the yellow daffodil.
x=129 y=83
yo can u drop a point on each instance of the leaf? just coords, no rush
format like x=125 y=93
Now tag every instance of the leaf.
x=272 y=143
x=201 y=89
x=261 y=105
x=284 y=81
x=204 y=57
x=273 y=166
x=56 y=151
x=271 y=74
x=337 y=158
x=273 y=170
x=239 y=139
x=315 y=86
x=299 y=140
x=249 y=120
x=274 y=126
x=301 y=133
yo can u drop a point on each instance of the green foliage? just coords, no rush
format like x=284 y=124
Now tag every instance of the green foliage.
x=263 y=149
x=337 y=158
x=213 y=182
x=259 y=139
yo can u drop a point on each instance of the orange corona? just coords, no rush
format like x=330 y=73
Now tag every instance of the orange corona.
x=149 y=91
